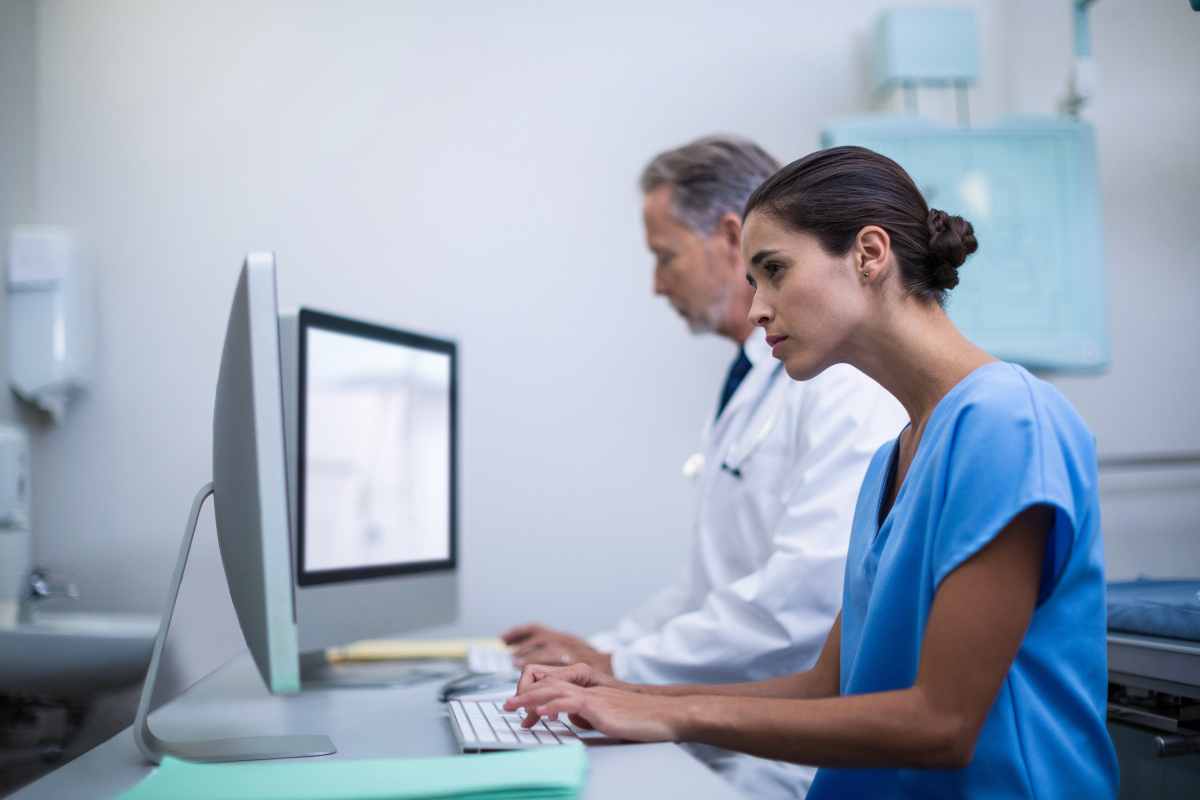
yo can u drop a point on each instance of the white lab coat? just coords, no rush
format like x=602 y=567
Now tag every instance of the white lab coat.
x=777 y=488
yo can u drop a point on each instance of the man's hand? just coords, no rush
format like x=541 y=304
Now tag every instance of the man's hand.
x=537 y=644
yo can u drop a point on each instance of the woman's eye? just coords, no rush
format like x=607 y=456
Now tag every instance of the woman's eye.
x=772 y=270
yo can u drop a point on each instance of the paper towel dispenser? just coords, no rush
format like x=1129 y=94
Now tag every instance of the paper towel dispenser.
x=51 y=318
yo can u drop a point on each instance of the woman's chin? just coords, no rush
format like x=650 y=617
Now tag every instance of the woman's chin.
x=803 y=369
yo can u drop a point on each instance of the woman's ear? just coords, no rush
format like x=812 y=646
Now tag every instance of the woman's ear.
x=872 y=251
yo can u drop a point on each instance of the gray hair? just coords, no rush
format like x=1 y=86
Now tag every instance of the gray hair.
x=709 y=178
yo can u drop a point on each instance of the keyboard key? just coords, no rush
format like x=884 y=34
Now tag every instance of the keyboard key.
x=485 y=725
x=460 y=718
x=503 y=727
x=483 y=730
x=586 y=733
x=558 y=728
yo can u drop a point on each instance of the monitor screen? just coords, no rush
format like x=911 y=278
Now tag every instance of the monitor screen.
x=376 y=451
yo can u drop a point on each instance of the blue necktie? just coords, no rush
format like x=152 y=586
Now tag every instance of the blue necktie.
x=737 y=372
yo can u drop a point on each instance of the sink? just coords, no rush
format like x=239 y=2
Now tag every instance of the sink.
x=76 y=653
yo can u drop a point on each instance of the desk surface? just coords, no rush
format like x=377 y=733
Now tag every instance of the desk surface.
x=363 y=723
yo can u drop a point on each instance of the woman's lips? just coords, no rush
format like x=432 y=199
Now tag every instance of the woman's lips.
x=774 y=342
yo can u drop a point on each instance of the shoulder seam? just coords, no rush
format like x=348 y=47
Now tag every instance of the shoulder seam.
x=1037 y=438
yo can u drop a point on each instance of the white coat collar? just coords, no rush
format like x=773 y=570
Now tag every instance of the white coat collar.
x=757 y=349
x=762 y=369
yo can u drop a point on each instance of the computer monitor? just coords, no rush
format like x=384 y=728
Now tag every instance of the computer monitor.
x=250 y=496
x=372 y=441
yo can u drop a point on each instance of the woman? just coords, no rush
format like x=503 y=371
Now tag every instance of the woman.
x=969 y=656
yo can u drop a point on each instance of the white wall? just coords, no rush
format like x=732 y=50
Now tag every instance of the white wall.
x=471 y=173
x=1147 y=117
x=18 y=116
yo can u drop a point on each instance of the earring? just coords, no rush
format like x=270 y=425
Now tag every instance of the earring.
x=866 y=273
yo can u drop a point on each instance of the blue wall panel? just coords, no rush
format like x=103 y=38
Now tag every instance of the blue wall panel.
x=1034 y=293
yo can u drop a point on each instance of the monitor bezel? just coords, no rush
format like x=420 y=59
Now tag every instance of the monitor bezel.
x=324 y=321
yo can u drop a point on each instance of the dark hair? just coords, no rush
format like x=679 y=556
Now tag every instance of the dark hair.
x=709 y=178
x=834 y=193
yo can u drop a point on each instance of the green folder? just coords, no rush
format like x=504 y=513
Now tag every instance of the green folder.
x=545 y=773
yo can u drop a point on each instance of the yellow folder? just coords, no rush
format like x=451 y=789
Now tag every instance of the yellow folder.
x=407 y=649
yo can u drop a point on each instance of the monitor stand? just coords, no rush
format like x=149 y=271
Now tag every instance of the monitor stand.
x=252 y=748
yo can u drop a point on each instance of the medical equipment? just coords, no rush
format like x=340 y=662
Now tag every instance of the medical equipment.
x=1035 y=292
x=51 y=326
x=1084 y=79
x=1154 y=660
x=759 y=428
x=926 y=47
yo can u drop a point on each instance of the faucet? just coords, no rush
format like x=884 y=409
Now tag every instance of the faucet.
x=42 y=586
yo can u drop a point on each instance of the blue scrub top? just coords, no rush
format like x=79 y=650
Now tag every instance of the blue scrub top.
x=999 y=442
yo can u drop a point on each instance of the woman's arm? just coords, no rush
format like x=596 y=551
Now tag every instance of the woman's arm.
x=979 y=617
x=820 y=681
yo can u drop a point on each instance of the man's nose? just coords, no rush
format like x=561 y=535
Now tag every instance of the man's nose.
x=660 y=285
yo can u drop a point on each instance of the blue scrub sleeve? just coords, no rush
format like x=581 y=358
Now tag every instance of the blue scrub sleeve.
x=997 y=468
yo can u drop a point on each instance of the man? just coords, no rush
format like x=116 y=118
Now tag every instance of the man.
x=777 y=478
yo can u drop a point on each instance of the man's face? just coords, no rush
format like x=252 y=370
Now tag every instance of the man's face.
x=686 y=271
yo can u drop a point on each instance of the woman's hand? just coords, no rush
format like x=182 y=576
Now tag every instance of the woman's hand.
x=582 y=675
x=618 y=713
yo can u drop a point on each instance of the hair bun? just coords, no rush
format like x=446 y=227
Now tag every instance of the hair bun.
x=951 y=240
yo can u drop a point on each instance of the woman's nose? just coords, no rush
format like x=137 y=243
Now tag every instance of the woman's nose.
x=760 y=313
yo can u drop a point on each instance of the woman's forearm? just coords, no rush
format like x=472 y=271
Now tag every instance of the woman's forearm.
x=801 y=685
x=823 y=680
x=892 y=729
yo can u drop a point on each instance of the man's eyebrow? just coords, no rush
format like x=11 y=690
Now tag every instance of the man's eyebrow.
x=761 y=256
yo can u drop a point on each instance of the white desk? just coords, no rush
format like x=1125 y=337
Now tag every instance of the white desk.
x=363 y=723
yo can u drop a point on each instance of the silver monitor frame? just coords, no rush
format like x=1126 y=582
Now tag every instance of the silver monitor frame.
x=334 y=613
x=250 y=497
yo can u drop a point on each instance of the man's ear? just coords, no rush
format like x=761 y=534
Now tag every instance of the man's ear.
x=729 y=233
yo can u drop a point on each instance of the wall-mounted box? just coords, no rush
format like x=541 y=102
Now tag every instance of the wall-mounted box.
x=926 y=46
x=51 y=325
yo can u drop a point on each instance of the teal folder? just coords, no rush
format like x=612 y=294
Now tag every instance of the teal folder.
x=545 y=773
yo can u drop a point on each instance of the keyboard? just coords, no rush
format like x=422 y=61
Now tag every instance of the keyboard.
x=484 y=660
x=485 y=725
